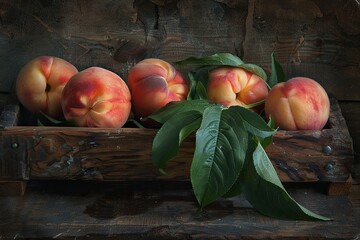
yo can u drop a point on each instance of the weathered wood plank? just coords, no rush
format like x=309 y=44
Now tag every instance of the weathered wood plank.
x=343 y=188
x=116 y=34
x=351 y=112
x=12 y=168
x=12 y=187
x=319 y=41
x=311 y=38
x=31 y=152
x=84 y=153
x=158 y=210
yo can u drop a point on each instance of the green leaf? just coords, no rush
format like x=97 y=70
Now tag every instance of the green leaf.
x=200 y=76
x=213 y=60
x=236 y=188
x=255 y=69
x=219 y=154
x=268 y=140
x=172 y=108
x=263 y=189
x=224 y=59
x=167 y=140
x=271 y=122
x=253 y=122
x=201 y=92
x=198 y=83
x=277 y=73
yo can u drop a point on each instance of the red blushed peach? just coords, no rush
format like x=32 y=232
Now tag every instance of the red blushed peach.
x=40 y=83
x=96 y=97
x=232 y=86
x=298 y=104
x=154 y=83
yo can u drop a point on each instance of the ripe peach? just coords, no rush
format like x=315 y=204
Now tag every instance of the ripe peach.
x=40 y=83
x=298 y=104
x=96 y=97
x=154 y=83
x=232 y=86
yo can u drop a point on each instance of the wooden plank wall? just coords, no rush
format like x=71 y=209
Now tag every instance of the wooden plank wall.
x=315 y=38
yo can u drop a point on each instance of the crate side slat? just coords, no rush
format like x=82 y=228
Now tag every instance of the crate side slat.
x=304 y=157
x=12 y=163
x=12 y=187
x=124 y=154
x=94 y=154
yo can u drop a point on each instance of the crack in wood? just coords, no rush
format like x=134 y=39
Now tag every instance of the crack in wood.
x=157 y=16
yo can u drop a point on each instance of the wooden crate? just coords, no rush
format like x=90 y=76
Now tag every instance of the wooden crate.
x=104 y=154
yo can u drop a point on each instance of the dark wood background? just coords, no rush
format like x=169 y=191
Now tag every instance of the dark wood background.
x=314 y=38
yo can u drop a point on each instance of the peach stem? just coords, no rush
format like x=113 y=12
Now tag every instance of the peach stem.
x=254 y=104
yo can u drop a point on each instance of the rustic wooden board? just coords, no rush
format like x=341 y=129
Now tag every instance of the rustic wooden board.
x=115 y=34
x=12 y=187
x=351 y=112
x=162 y=210
x=105 y=154
x=311 y=38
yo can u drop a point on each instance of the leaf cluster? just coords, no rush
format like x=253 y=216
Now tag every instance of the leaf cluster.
x=229 y=157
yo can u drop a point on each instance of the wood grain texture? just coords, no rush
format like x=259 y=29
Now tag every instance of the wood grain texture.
x=314 y=38
x=106 y=154
x=116 y=34
x=311 y=38
x=12 y=187
x=158 y=210
x=351 y=111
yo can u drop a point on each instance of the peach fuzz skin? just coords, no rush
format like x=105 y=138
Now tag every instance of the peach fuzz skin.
x=298 y=104
x=154 y=83
x=96 y=97
x=232 y=86
x=40 y=84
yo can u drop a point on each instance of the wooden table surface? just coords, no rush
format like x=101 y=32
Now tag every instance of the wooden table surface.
x=163 y=210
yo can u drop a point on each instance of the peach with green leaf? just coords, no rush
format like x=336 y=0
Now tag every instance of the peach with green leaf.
x=235 y=86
